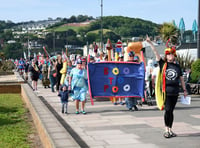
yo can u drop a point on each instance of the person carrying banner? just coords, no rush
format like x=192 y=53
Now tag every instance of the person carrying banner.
x=121 y=102
x=131 y=102
x=170 y=74
x=78 y=86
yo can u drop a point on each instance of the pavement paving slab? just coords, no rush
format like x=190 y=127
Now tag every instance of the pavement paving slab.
x=112 y=126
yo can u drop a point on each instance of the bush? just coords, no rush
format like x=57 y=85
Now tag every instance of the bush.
x=6 y=66
x=185 y=61
x=195 y=75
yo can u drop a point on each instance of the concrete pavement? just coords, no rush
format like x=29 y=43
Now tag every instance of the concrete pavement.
x=109 y=126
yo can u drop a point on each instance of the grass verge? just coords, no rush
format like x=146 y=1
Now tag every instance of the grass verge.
x=14 y=125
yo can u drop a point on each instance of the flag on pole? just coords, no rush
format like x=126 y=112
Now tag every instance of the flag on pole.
x=24 y=55
x=29 y=53
x=34 y=55
x=47 y=54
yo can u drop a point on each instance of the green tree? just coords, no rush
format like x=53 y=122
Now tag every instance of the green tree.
x=112 y=36
x=14 y=50
x=169 y=31
x=7 y=35
x=91 y=37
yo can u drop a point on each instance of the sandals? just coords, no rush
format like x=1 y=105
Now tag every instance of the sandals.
x=172 y=134
x=167 y=135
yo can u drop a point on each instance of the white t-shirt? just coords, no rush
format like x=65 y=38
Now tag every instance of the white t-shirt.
x=155 y=71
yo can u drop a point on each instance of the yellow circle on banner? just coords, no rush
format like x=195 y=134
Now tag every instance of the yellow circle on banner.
x=115 y=71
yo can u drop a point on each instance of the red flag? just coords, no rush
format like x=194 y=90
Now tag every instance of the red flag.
x=47 y=55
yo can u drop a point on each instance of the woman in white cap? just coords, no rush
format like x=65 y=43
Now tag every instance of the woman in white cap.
x=78 y=85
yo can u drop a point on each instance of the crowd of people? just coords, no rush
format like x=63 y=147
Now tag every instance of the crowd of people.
x=50 y=71
x=67 y=76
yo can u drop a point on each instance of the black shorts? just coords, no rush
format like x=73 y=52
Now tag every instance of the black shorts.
x=34 y=78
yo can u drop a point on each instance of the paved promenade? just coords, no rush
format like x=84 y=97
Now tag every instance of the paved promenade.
x=109 y=126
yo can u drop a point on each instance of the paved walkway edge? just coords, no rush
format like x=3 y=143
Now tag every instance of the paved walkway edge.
x=27 y=94
x=41 y=114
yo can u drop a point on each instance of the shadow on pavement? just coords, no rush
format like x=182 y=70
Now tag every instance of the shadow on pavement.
x=189 y=135
x=186 y=107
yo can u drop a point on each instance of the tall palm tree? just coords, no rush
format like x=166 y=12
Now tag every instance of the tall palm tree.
x=170 y=31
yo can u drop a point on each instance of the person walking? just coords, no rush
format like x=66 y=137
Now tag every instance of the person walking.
x=121 y=100
x=63 y=93
x=78 y=85
x=34 y=73
x=26 y=67
x=130 y=101
x=171 y=74
x=59 y=66
x=45 y=78
x=52 y=74
x=21 y=64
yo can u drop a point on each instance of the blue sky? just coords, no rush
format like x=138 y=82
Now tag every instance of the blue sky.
x=158 y=11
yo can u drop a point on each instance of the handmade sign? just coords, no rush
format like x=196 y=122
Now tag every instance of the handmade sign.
x=116 y=79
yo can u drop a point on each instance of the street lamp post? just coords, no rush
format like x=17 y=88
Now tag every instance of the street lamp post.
x=102 y=25
x=54 y=42
x=198 y=34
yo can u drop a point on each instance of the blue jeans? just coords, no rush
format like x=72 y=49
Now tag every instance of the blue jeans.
x=130 y=102
x=53 y=82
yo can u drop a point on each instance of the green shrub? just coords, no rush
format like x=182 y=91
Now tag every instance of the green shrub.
x=6 y=65
x=195 y=75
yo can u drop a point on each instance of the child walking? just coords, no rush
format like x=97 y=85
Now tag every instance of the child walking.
x=63 y=93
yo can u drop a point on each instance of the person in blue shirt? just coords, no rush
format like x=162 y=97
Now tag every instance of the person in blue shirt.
x=63 y=93
x=21 y=66
x=78 y=85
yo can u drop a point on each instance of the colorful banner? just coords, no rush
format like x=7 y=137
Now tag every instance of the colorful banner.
x=116 y=79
